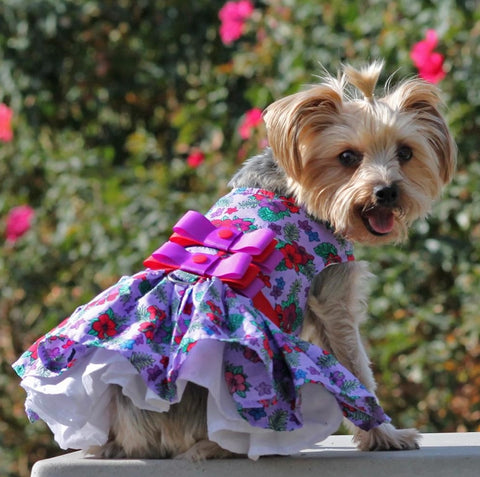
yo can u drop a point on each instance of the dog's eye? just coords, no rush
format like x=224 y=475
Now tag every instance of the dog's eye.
x=350 y=158
x=404 y=153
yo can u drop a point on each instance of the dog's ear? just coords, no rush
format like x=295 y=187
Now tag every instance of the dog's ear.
x=295 y=120
x=423 y=100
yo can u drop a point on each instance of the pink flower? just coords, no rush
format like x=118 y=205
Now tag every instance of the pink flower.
x=19 y=220
x=235 y=382
x=428 y=62
x=6 y=113
x=253 y=118
x=195 y=159
x=233 y=16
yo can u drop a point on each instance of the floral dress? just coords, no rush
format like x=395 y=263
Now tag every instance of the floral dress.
x=224 y=313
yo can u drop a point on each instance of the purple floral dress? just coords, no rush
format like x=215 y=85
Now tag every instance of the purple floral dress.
x=270 y=392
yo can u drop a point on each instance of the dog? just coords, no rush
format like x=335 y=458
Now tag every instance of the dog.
x=361 y=169
x=369 y=166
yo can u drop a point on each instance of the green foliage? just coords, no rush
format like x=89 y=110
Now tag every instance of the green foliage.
x=109 y=99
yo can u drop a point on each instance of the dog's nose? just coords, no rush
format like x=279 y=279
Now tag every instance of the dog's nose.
x=386 y=195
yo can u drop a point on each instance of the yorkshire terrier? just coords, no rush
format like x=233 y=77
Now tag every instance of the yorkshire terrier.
x=369 y=167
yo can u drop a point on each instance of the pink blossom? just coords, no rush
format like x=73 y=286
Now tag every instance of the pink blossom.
x=230 y=31
x=235 y=382
x=253 y=118
x=195 y=159
x=6 y=114
x=19 y=221
x=232 y=16
x=428 y=62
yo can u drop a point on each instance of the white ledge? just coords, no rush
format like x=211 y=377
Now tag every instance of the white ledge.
x=440 y=455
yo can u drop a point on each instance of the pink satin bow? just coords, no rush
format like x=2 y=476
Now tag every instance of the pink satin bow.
x=239 y=259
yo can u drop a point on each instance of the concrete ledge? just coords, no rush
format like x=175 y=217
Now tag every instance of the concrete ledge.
x=441 y=455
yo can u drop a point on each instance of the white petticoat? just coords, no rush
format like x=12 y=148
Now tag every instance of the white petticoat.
x=75 y=405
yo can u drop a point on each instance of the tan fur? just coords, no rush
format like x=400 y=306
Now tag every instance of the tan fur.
x=308 y=132
x=364 y=79
x=181 y=432
x=336 y=308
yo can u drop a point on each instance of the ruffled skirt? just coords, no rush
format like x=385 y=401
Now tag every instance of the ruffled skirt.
x=269 y=391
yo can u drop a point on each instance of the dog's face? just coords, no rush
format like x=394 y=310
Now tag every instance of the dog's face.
x=368 y=166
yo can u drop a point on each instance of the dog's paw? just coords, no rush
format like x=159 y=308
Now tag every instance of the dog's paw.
x=110 y=450
x=203 y=450
x=387 y=437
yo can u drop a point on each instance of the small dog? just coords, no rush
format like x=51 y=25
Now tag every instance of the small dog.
x=367 y=166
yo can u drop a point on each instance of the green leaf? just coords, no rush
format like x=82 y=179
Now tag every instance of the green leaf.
x=278 y=420
x=141 y=360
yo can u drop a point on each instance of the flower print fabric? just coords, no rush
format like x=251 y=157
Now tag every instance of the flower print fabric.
x=154 y=331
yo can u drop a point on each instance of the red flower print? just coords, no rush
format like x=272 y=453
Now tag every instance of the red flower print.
x=295 y=255
x=19 y=221
x=240 y=224
x=253 y=118
x=148 y=329
x=348 y=408
x=195 y=159
x=232 y=16
x=215 y=308
x=251 y=355
x=265 y=403
x=104 y=327
x=428 y=62
x=68 y=344
x=191 y=345
x=71 y=363
x=155 y=313
x=214 y=318
x=188 y=308
x=292 y=207
x=6 y=133
x=263 y=194
x=235 y=382
x=333 y=259
x=287 y=316
x=268 y=349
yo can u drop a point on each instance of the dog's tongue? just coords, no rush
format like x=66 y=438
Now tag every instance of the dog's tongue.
x=381 y=221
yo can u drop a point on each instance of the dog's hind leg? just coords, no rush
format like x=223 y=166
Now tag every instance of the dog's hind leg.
x=180 y=432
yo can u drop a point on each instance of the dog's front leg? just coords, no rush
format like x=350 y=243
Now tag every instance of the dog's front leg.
x=336 y=308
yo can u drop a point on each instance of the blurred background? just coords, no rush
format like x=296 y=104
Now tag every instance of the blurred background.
x=117 y=116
